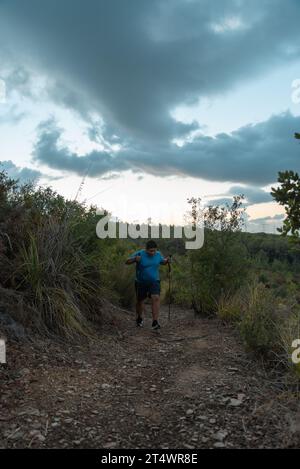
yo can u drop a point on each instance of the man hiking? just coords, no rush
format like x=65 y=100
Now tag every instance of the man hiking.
x=147 y=282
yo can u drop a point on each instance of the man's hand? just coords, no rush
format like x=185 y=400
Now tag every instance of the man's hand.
x=138 y=259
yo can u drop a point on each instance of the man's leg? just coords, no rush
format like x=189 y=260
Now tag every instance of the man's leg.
x=139 y=307
x=155 y=292
x=155 y=306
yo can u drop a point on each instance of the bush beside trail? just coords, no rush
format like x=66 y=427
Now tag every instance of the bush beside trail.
x=248 y=280
x=54 y=271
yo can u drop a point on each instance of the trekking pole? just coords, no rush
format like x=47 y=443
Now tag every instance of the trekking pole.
x=169 y=266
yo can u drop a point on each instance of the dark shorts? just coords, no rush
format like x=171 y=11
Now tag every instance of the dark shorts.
x=146 y=289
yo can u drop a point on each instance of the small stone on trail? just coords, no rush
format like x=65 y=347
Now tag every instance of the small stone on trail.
x=219 y=445
x=105 y=386
x=202 y=417
x=220 y=436
x=235 y=402
x=188 y=446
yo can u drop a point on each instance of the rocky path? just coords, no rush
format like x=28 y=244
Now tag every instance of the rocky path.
x=189 y=386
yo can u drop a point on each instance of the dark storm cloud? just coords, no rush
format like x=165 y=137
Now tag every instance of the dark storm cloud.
x=252 y=155
x=252 y=195
x=134 y=61
x=24 y=175
x=48 y=151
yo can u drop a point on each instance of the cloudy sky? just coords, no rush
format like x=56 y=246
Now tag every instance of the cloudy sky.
x=152 y=101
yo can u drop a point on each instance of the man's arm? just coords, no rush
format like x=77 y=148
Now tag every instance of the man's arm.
x=133 y=260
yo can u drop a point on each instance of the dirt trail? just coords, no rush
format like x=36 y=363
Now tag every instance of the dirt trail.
x=189 y=386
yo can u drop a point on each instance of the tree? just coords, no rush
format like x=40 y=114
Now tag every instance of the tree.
x=220 y=266
x=288 y=195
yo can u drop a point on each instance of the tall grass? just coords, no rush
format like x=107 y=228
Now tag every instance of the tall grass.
x=51 y=257
x=55 y=276
x=260 y=320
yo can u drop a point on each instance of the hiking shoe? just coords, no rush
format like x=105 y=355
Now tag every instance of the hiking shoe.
x=139 y=322
x=155 y=325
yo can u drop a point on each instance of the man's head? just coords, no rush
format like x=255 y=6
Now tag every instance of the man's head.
x=151 y=247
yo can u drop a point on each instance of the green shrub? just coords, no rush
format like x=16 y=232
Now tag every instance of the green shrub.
x=51 y=257
x=260 y=321
x=215 y=271
x=118 y=278
x=181 y=288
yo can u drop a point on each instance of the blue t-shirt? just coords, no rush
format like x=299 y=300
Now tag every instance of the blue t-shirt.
x=147 y=270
